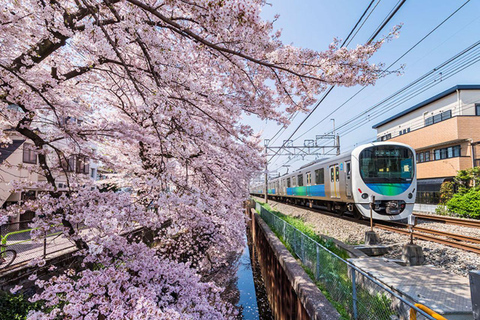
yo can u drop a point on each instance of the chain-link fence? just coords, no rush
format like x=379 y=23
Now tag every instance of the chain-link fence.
x=16 y=236
x=355 y=293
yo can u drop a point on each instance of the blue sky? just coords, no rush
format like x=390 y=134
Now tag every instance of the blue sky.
x=314 y=24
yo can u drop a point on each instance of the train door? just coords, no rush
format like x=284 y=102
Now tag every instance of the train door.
x=309 y=183
x=348 y=179
x=334 y=181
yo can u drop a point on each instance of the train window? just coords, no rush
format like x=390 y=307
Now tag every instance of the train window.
x=288 y=183
x=300 y=180
x=332 y=174
x=309 y=178
x=337 y=173
x=320 y=176
x=294 y=182
x=348 y=169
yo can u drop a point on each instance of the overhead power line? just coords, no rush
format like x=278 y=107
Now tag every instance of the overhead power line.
x=392 y=64
x=445 y=70
x=343 y=43
x=382 y=25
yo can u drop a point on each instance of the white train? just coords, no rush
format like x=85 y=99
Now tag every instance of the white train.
x=385 y=170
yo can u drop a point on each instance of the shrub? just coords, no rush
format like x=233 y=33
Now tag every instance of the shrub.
x=466 y=204
x=447 y=190
x=16 y=307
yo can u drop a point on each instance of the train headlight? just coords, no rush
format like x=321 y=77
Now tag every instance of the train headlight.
x=365 y=196
x=410 y=196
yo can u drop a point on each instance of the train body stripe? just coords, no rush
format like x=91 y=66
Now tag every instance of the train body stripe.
x=389 y=189
x=311 y=191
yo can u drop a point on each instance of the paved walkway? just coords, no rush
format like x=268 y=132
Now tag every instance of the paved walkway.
x=439 y=290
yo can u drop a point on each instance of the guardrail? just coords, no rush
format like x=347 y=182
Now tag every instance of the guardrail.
x=413 y=312
x=16 y=236
x=354 y=291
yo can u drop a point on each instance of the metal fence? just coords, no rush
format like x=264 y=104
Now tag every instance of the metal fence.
x=16 y=236
x=355 y=292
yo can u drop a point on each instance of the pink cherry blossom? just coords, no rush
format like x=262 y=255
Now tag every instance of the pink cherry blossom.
x=154 y=92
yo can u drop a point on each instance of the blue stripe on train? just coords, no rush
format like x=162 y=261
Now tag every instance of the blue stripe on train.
x=309 y=191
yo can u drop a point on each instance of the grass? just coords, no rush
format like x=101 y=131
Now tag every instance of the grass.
x=308 y=230
x=333 y=280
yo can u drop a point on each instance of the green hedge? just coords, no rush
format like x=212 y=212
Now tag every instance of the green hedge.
x=466 y=204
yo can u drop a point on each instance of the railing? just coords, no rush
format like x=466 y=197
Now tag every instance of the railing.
x=413 y=312
x=16 y=236
x=355 y=292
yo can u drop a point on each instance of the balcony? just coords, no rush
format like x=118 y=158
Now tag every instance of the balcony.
x=442 y=168
x=455 y=129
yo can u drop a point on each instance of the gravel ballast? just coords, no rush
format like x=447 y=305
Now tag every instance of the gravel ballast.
x=453 y=260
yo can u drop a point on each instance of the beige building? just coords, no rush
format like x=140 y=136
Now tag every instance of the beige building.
x=445 y=133
x=17 y=161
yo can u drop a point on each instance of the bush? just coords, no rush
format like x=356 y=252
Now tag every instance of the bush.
x=447 y=190
x=466 y=204
x=15 y=307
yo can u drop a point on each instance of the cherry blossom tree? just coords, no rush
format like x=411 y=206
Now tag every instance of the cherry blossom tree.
x=158 y=89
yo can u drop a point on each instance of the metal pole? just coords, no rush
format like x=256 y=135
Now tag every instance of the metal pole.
x=354 y=294
x=266 y=176
x=302 y=247
x=317 y=267
x=475 y=293
x=338 y=144
x=372 y=203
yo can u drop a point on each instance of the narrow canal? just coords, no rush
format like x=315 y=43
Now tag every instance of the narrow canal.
x=244 y=286
x=253 y=303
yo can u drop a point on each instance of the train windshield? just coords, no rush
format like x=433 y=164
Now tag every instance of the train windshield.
x=386 y=164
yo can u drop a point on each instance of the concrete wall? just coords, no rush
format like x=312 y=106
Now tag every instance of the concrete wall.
x=291 y=293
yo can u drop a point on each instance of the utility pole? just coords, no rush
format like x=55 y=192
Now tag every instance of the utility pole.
x=266 y=173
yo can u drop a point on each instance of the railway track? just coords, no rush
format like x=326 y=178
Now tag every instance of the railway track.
x=449 y=220
x=446 y=238
x=455 y=240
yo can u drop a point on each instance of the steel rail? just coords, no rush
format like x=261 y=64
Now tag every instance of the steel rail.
x=448 y=234
x=463 y=246
x=449 y=220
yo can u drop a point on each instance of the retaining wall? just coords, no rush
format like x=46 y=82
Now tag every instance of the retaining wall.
x=291 y=292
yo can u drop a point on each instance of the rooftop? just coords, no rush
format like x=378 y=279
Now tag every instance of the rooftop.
x=428 y=101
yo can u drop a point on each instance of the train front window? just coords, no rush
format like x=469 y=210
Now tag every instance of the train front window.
x=386 y=164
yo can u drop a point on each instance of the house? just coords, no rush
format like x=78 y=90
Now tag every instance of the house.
x=444 y=130
x=18 y=162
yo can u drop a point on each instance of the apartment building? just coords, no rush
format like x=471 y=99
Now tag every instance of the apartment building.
x=445 y=133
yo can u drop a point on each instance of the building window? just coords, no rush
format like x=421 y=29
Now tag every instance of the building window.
x=29 y=154
x=428 y=121
x=82 y=165
x=69 y=164
x=422 y=157
x=427 y=155
x=477 y=109
x=92 y=173
x=446 y=115
x=319 y=176
x=446 y=153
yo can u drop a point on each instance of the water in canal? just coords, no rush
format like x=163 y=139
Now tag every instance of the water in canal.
x=252 y=303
